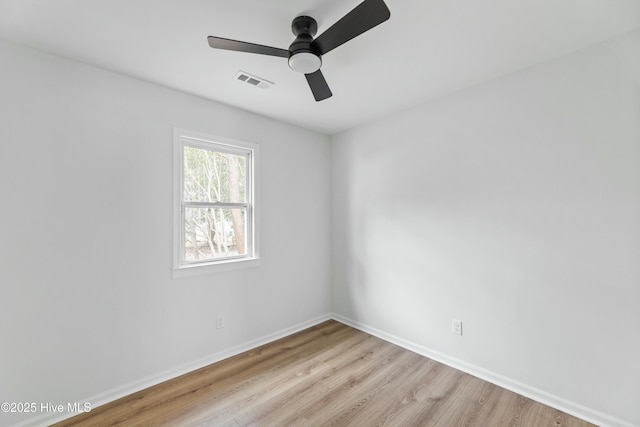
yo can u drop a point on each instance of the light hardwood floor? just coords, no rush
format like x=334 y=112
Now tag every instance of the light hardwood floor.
x=327 y=375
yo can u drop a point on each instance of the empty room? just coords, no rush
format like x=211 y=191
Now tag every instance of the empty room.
x=315 y=213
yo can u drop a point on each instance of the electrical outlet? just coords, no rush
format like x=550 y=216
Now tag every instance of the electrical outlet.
x=220 y=321
x=456 y=327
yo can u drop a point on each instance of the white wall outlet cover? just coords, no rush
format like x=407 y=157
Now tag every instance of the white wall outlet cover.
x=456 y=327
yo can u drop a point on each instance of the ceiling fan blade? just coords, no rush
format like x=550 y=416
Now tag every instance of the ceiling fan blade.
x=318 y=86
x=364 y=17
x=228 y=44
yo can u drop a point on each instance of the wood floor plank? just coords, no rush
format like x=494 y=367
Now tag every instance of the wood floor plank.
x=327 y=375
x=356 y=391
x=275 y=394
x=333 y=387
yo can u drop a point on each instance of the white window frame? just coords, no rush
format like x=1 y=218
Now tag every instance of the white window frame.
x=187 y=138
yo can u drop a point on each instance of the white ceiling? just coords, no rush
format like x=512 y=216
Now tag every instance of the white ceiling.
x=428 y=48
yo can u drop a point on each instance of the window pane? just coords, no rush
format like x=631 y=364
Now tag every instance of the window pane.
x=213 y=176
x=214 y=233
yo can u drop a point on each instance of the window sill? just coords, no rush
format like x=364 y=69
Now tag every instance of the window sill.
x=201 y=269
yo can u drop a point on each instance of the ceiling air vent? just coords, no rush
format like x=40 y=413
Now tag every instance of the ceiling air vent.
x=253 y=80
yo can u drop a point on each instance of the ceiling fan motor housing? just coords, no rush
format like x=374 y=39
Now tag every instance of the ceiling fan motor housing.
x=304 y=59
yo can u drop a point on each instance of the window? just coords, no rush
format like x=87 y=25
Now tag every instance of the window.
x=215 y=210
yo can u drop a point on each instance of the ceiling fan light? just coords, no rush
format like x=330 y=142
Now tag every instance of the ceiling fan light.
x=305 y=62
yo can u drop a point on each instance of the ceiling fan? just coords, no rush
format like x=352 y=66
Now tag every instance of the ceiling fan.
x=305 y=53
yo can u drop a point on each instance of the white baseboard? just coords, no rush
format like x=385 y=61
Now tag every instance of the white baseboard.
x=135 y=386
x=587 y=414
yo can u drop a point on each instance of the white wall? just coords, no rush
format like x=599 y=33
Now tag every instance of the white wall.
x=513 y=206
x=88 y=302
